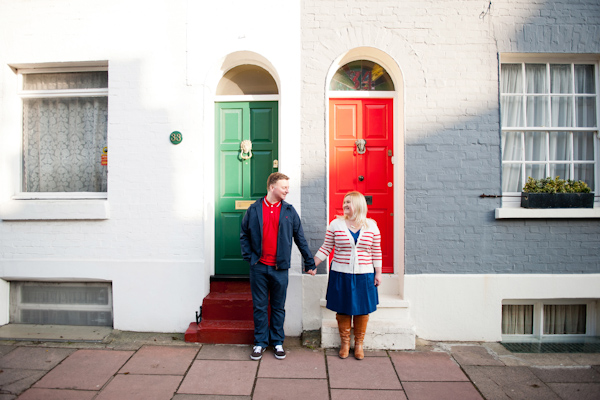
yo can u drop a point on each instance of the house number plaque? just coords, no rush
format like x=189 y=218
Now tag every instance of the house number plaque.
x=176 y=137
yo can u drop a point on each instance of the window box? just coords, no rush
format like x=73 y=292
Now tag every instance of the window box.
x=557 y=200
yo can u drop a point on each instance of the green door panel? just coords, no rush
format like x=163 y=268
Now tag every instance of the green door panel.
x=237 y=179
x=230 y=226
x=231 y=126
x=231 y=183
x=262 y=166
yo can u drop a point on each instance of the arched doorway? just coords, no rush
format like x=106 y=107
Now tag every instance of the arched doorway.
x=361 y=145
x=246 y=152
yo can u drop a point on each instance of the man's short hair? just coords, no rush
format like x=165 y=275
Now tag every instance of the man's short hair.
x=274 y=177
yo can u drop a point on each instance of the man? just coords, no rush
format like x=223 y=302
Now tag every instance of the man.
x=266 y=240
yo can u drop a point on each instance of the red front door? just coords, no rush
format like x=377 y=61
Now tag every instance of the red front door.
x=370 y=173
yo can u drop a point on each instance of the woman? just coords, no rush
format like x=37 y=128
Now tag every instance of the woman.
x=355 y=270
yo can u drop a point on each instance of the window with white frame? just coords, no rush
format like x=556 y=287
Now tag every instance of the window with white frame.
x=549 y=119
x=549 y=318
x=65 y=116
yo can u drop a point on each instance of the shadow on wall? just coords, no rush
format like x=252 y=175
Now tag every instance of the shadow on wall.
x=452 y=135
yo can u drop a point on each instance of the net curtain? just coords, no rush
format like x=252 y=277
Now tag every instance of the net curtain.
x=554 y=146
x=63 y=142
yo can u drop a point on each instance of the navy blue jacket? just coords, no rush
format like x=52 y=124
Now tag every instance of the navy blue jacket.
x=289 y=227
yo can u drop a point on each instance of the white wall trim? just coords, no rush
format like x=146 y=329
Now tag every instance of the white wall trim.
x=469 y=307
x=547 y=213
x=21 y=210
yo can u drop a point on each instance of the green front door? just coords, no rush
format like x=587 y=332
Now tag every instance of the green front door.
x=240 y=180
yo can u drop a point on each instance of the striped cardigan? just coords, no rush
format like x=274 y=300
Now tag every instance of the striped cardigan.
x=350 y=258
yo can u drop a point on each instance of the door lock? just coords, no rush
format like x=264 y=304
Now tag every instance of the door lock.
x=361 y=178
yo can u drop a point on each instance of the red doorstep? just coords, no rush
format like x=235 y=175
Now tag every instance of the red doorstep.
x=226 y=315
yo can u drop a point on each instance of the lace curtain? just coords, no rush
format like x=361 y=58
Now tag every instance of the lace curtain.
x=63 y=137
x=537 y=102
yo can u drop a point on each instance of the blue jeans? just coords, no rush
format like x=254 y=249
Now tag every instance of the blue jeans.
x=268 y=283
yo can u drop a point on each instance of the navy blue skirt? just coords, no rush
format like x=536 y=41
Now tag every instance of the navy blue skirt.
x=352 y=294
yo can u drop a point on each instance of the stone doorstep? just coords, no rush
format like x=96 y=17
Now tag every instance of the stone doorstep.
x=380 y=335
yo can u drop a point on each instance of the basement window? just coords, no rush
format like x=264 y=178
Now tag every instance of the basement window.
x=557 y=318
x=44 y=303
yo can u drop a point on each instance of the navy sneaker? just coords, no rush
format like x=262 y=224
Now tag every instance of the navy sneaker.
x=257 y=353
x=279 y=352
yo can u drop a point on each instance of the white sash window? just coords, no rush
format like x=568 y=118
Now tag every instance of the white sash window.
x=65 y=115
x=549 y=119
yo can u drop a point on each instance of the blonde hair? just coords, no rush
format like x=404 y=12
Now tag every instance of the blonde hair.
x=359 y=204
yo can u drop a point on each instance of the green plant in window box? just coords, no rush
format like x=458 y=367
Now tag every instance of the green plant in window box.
x=556 y=193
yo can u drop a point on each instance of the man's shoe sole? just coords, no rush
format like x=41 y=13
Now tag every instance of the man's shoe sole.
x=256 y=358
x=279 y=357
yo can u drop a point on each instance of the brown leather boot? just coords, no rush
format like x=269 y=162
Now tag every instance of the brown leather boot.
x=360 y=327
x=344 y=326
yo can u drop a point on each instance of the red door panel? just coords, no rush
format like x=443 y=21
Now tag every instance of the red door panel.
x=372 y=120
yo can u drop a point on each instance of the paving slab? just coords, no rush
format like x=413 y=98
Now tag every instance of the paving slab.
x=140 y=387
x=60 y=333
x=428 y=366
x=16 y=381
x=34 y=358
x=515 y=383
x=356 y=394
x=513 y=361
x=290 y=389
x=126 y=340
x=566 y=375
x=368 y=353
x=368 y=373
x=546 y=359
x=57 y=394
x=577 y=391
x=85 y=370
x=496 y=348
x=586 y=358
x=474 y=355
x=208 y=397
x=298 y=363
x=157 y=360
x=234 y=378
x=5 y=349
x=224 y=352
x=441 y=390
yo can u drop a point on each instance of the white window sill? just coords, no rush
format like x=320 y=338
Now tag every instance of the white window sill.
x=22 y=210
x=546 y=213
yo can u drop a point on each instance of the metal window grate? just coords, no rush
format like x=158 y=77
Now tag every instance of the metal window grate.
x=552 y=347
x=83 y=304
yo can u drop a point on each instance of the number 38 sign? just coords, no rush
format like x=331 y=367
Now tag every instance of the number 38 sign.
x=176 y=137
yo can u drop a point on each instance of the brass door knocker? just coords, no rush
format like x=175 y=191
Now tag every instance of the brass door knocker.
x=361 y=146
x=245 y=149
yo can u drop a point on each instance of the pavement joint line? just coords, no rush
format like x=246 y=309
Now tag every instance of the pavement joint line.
x=327 y=373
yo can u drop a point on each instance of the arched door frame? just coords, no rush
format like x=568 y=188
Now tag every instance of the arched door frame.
x=395 y=285
x=227 y=63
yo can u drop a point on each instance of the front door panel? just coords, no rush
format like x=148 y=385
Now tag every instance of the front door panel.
x=239 y=181
x=370 y=173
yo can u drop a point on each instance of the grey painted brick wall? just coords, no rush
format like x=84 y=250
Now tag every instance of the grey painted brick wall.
x=448 y=53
